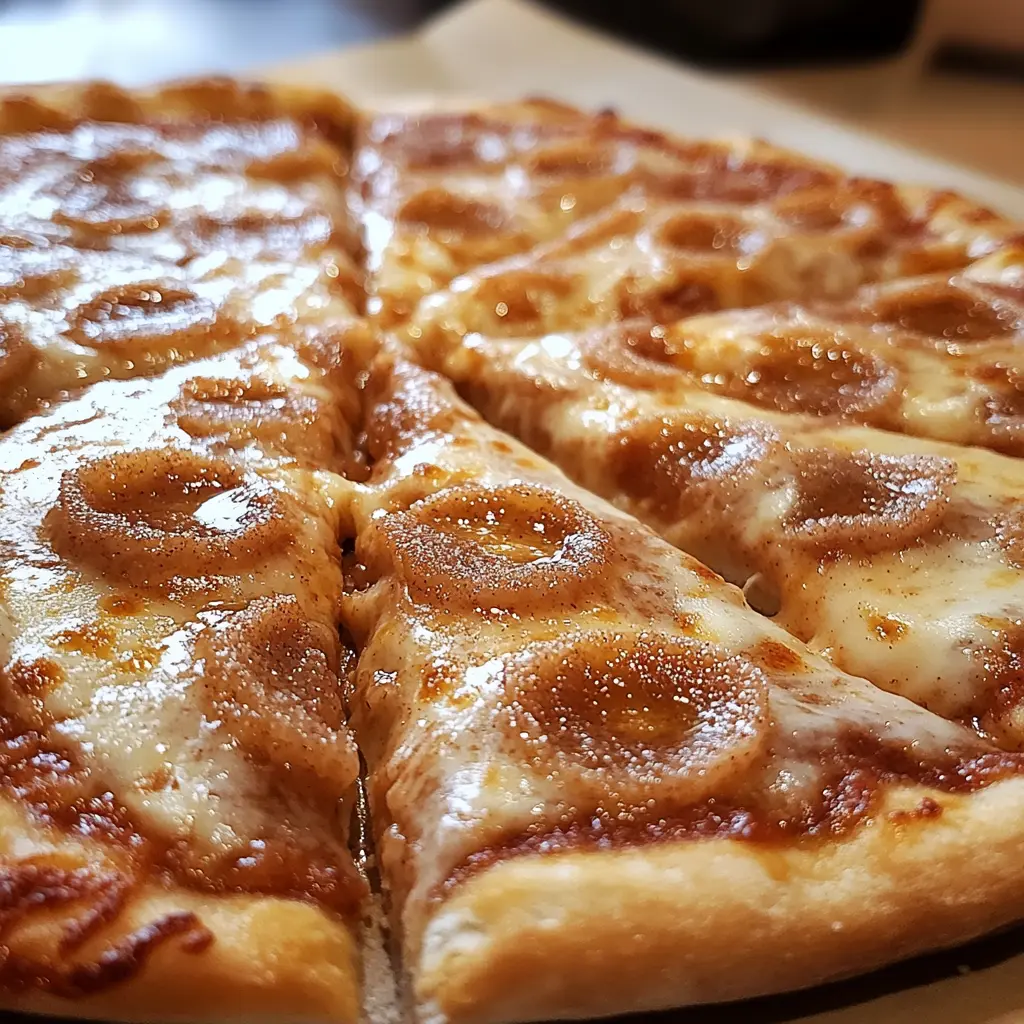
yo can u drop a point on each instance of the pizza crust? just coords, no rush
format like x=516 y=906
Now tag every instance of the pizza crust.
x=270 y=960
x=57 y=105
x=597 y=933
x=243 y=957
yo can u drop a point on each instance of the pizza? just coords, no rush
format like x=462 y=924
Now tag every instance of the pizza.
x=898 y=558
x=439 y=193
x=140 y=231
x=530 y=659
x=326 y=696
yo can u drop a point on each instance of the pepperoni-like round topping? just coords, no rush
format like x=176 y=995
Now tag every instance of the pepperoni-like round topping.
x=237 y=413
x=521 y=302
x=815 y=211
x=152 y=515
x=874 y=208
x=702 y=233
x=677 y=464
x=433 y=142
x=579 y=158
x=516 y=549
x=437 y=209
x=999 y=702
x=809 y=371
x=637 y=355
x=638 y=717
x=146 y=316
x=127 y=158
x=1009 y=532
x=406 y=407
x=730 y=178
x=255 y=233
x=943 y=311
x=268 y=676
x=691 y=290
x=295 y=161
x=100 y=200
x=889 y=211
x=867 y=502
x=1004 y=408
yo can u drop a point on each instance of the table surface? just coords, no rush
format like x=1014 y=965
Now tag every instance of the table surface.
x=976 y=122
x=139 y=41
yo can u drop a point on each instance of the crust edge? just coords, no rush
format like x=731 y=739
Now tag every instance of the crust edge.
x=601 y=933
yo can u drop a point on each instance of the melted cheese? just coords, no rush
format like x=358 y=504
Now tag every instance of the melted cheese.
x=443 y=193
x=931 y=616
x=450 y=772
x=933 y=357
x=121 y=644
x=128 y=248
x=662 y=257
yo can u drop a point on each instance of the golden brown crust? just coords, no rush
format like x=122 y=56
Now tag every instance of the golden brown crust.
x=160 y=952
x=60 y=106
x=601 y=933
x=241 y=975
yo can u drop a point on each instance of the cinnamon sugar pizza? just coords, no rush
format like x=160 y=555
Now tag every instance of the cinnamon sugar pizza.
x=289 y=632
x=139 y=231
x=440 y=193
x=601 y=782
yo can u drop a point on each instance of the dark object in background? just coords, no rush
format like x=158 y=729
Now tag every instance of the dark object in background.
x=757 y=33
x=965 y=59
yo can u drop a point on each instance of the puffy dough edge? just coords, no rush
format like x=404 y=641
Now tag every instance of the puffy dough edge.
x=61 y=105
x=271 y=960
x=598 y=933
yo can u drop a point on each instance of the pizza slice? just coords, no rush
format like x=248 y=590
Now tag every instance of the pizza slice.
x=898 y=558
x=980 y=305
x=933 y=356
x=438 y=193
x=177 y=771
x=140 y=230
x=660 y=257
x=600 y=782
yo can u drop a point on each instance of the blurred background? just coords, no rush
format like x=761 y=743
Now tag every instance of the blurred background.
x=945 y=75
x=139 y=40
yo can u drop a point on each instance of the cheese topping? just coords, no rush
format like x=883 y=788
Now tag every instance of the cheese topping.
x=667 y=257
x=440 y=194
x=126 y=248
x=535 y=662
x=894 y=556
x=140 y=644
x=933 y=356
